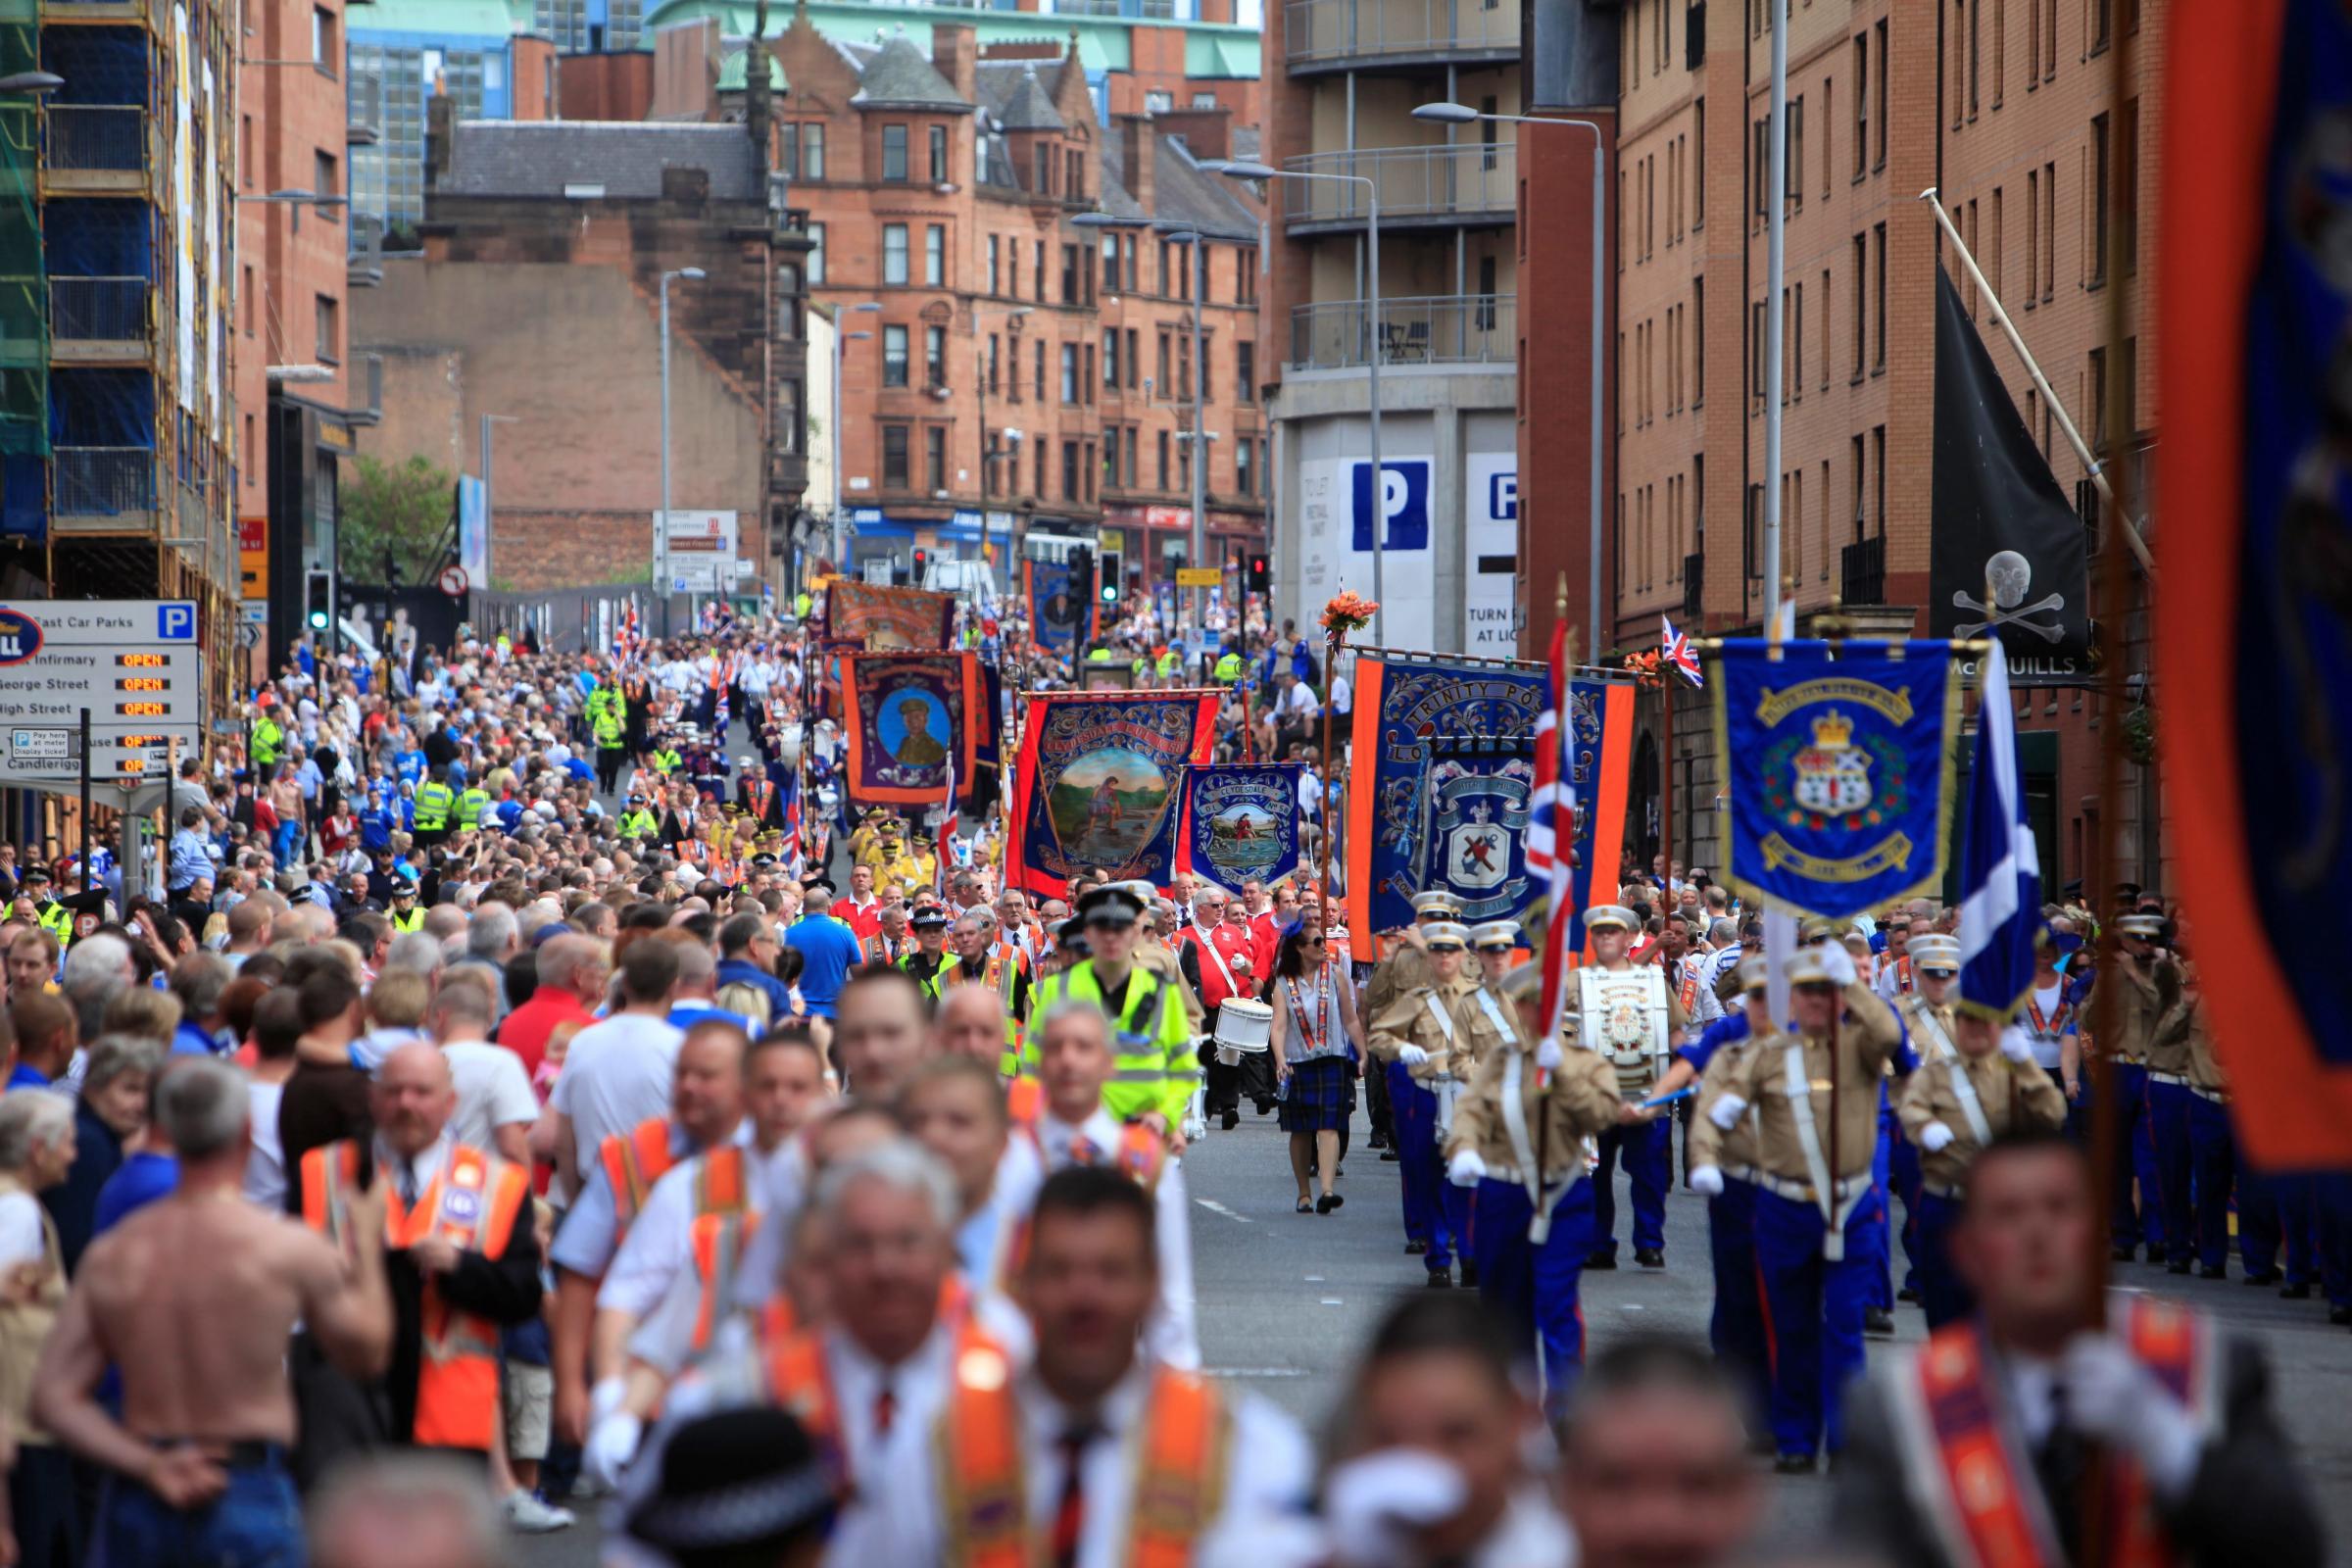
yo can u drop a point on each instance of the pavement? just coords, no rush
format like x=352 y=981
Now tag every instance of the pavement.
x=1286 y=1303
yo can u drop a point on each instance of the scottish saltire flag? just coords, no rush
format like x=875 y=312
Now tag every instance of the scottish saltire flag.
x=1551 y=831
x=1678 y=652
x=2000 y=870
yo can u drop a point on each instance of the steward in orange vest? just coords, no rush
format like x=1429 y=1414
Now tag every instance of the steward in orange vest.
x=443 y=1380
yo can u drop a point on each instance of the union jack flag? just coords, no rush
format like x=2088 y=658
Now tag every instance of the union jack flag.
x=1679 y=653
x=791 y=829
x=627 y=643
x=1552 y=829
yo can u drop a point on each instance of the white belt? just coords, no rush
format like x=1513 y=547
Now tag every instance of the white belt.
x=1954 y=1193
x=1803 y=1192
x=2219 y=1096
x=1741 y=1173
x=2181 y=1079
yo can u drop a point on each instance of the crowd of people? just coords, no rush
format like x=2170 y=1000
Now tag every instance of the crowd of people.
x=504 y=1080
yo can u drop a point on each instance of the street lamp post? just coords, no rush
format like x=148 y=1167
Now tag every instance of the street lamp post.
x=1463 y=115
x=841 y=526
x=988 y=455
x=1380 y=480
x=693 y=274
x=489 y=493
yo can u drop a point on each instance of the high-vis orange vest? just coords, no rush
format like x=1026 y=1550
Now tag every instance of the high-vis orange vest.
x=1181 y=1460
x=722 y=1221
x=633 y=1161
x=1990 y=1510
x=473 y=1204
x=800 y=1383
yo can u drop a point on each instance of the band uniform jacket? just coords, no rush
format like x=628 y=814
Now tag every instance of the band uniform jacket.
x=1579 y=1101
x=1760 y=1078
x=2148 y=993
x=1409 y=1021
x=2006 y=1093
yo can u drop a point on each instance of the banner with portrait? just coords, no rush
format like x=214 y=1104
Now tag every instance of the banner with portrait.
x=1101 y=785
x=909 y=718
x=1415 y=715
x=1241 y=822
x=1061 y=607
x=1839 y=764
x=881 y=619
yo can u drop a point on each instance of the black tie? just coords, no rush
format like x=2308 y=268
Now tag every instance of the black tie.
x=1069 y=1514
x=408 y=1182
x=2060 y=1465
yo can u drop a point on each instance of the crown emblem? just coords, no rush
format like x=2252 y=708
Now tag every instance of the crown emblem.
x=1833 y=730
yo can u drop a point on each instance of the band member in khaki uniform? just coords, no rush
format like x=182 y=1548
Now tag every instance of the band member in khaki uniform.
x=1932 y=970
x=1418 y=1039
x=1623 y=1010
x=1977 y=1080
x=2212 y=1144
x=1816 y=1094
x=1405 y=965
x=2142 y=970
x=1520 y=1134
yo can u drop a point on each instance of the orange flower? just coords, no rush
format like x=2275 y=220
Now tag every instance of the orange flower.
x=1348 y=612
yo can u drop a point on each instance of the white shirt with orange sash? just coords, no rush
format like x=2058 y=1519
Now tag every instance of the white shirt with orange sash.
x=1169 y=1335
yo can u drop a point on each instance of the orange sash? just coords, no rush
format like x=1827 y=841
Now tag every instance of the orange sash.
x=633 y=1161
x=801 y=1383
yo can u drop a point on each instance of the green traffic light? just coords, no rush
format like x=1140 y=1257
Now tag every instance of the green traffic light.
x=319 y=621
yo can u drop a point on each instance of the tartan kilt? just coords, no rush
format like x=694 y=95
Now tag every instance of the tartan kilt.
x=1322 y=1095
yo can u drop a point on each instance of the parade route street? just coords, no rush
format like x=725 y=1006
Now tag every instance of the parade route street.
x=1286 y=1300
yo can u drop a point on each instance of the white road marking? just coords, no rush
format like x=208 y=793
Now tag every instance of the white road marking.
x=1333 y=1300
x=1257 y=1372
x=1215 y=1207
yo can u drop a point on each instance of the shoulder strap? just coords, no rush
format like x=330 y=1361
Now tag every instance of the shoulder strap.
x=1179 y=1469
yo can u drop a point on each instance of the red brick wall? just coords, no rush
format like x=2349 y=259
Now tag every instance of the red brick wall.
x=616 y=86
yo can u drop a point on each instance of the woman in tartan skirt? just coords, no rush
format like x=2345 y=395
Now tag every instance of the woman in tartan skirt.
x=1316 y=1048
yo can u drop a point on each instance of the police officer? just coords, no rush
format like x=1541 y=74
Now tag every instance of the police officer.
x=405 y=915
x=473 y=805
x=608 y=725
x=1518 y=1144
x=637 y=822
x=1419 y=1037
x=1623 y=1010
x=1157 y=1067
x=1816 y=1094
x=436 y=802
x=930 y=961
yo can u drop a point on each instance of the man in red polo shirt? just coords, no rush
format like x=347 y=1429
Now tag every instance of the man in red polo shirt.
x=572 y=971
x=862 y=910
x=1231 y=965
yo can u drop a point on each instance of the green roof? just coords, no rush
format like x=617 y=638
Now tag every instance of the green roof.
x=457 y=18
x=731 y=71
x=1212 y=49
x=1231 y=52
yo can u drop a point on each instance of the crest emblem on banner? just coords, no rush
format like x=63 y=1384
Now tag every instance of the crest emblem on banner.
x=1476 y=834
x=1832 y=774
x=1242 y=822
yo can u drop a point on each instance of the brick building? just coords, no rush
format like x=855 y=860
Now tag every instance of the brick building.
x=2007 y=106
x=536 y=300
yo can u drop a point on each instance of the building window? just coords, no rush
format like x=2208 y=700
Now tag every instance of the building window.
x=1070 y=274
x=894 y=356
x=894 y=253
x=1037 y=467
x=1158 y=103
x=1111 y=457
x=1877 y=106
x=817 y=253
x=935 y=457
x=1040 y=272
x=1110 y=356
x=251 y=299
x=324 y=175
x=1069 y=372
x=893 y=153
x=894 y=456
x=1245 y=373
x=993 y=341
x=812 y=150
x=2099 y=152
x=1012 y=269
x=330 y=330
x=1878 y=299
x=1244 y=476
x=935 y=356
x=938 y=155
x=323 y=52
x=993 y=277
x=1164 y=385
x=1086 y=378
x=1040 y=375
x=935 y=255
x=1069 y=471
x=1698 y=342
x=1134 y=360
x=2128 y=194
x=1111 y=262
x=790 y=427
x=1163 y=460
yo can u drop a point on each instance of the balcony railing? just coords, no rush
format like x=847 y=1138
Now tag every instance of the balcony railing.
x=1435 y=329
x=1463 y=181
x=1862 y=572
x=1694 y=582
x=1328 y=33
x=103 y=139
x=109 y=309
x=102 y=481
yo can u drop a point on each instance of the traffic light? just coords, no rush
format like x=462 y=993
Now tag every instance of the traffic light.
x=923 y=563
x=318 y=600
x=1259 y=576
x=1114 y=577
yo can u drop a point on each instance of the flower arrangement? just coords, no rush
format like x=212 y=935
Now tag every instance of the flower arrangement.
x=1643 y=666
x=1348 y=612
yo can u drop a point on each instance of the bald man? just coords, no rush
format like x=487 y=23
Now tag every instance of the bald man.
x=461 y=1255
x=970 y=1023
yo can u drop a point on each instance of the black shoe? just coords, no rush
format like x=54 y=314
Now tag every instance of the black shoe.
x=1265 y=1107
x=2124 y=1254
x=1595 y=1260
x=2179 y=1265
x=2271 y=1278
x=1878 y=1320
x=1416 y=1249
x=1907 y=1294
x=1439 y=1279
x=1650 y=1258
x=1376 y=1140
x=1328 y=1201
x=1389 y=1157
x=1469 y=1276
x=1230 y=1120
x=1792 y=1464
x=2295 y=1292
x=2214 y=1272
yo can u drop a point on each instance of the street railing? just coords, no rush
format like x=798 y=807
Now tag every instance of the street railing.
x=1468 y=178
x=111 y=309
x=101 y=481
x=110 y=138
x=1433 y=329
x=1319 y=31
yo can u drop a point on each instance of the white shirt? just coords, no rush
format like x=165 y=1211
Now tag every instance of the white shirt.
x=19 y=1229
x=1343 y=695
x=616 y=1074
x=658 y=1250
x=493 y=1091
x=1170 y=1334
x=266 y=1161
x=420 y=1169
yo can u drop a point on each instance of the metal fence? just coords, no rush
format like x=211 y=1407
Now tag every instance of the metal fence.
x=1433 y=329
x=1315 y=31
x=1412 y=181
x=97 y=137
x=101 y=481
x=110 y=310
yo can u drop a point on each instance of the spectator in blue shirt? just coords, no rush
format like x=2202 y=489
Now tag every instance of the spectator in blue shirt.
x=828 y=950
x=191 y=851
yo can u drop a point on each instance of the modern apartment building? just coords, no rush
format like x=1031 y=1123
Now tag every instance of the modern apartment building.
x=2010 y=107
x=1342 y=80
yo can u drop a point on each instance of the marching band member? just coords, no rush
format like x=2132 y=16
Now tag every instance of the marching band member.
x=2150 y=982
x=1418 y=1038
x=1623 y=1011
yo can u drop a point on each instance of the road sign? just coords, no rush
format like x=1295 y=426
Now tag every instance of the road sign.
x=1199 y=576
x=133 y=664
x=453 y=581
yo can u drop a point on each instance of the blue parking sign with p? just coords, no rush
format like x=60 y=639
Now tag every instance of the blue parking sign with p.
x=1405 y=502
x=176 y=622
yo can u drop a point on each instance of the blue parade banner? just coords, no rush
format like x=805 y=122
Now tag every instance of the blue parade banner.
x=1415 y=719
x=1240 y=821
x=1059 y=613
x=1840 y=767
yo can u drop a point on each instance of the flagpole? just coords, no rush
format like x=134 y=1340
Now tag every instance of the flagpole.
x=2074 y=438
x=1776 y=253
x=1666 y=680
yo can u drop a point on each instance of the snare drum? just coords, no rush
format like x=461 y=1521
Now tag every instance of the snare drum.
x=1243 y=1028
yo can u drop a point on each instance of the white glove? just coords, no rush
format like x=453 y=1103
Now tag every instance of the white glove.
x=1727 y=1111
x=1707 y=1181
x=2017 y=1045
x=1467 y=1169
x=611 y=1444
x=1548 y=1054
x=607 y=1396
x=1412 y=1055
x=1934 y=1137
x=2111 y=1397
x=1374 y=1503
